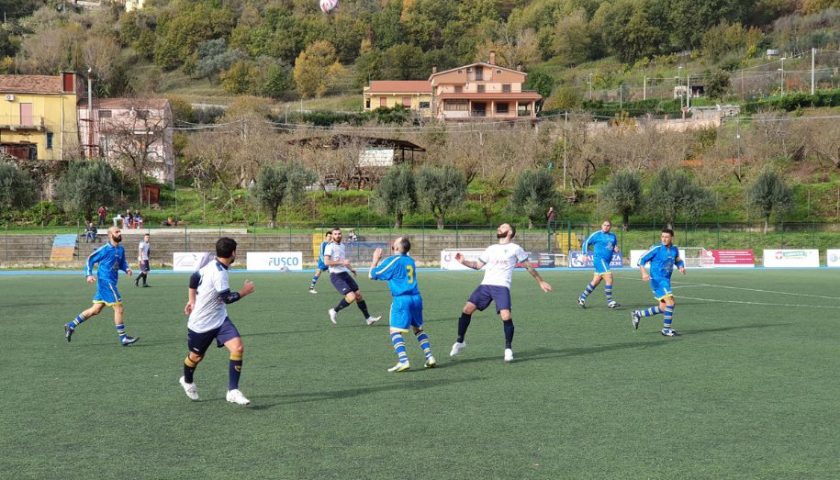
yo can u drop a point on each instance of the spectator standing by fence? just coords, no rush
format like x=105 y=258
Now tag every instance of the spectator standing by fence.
x=551 y=219
x=102 y=212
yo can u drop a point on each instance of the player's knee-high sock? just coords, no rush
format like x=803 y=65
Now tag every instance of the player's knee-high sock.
x=341 y=305
x=608 y=292
x=121 y=331
x=76 y=321
x=423 y=339
x=463 y=325
x=649 y=312
x=508 y=326
x=234 y=371
x=314 y=281
x=363 y=307
x=669 y=316
x=589 y=289
x=399 y=347
x=189 y=370
x=145 y=276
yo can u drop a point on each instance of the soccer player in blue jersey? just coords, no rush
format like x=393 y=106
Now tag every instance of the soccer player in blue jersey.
x=400 y=272
x=605 y=245
x=111 y=259
x=322 y=267
x=662 y=258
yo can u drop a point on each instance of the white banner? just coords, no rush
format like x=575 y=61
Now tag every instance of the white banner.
x=447 y=257
x=274 y=261
x=832 y=258
x=635 y=256
x=792 y=258
x=186 y=261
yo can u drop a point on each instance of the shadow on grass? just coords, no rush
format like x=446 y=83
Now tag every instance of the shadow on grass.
x=731 y=328
x=317 y=396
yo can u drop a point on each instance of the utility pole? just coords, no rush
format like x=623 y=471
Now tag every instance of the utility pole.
x=644 y=89
x=90 y=112
x=687 y=90
x=590 y=87
x=782 y=77
x=813 y=76
x=565 y=146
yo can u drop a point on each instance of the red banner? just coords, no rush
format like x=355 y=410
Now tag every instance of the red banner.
x=733 y=258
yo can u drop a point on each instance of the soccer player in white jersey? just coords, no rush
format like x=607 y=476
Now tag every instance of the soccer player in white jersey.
x=499 y=261
x=336 y=259
x=143 y=251
x=209 y=321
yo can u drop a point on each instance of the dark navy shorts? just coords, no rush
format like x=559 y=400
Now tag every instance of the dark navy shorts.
x=344 y=283
x=484 y=294
x=199 y=342
x=144 y=266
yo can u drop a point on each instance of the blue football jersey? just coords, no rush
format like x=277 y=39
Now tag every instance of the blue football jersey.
x=323 y=247
x=662 y=260
x=603 y=244
x=401 y=274
x=111 y=260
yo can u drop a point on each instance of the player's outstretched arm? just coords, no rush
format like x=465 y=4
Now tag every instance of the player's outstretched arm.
x=474 y=264
x=545 y=286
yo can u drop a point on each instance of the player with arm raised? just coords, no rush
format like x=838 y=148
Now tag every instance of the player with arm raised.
x=605 y=245
x=110 y=259
x=400 y=271
x=500 y=261
x=209 y=321
x=662 y=258
x=336 y=260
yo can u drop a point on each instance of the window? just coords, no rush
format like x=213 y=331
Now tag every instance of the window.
x=479 y=88
x=367 y=103
x=506 y=88
x=49 y=140
x=143 y=114
x=406 y=102
x=456 y=105
x=502 y=108
x=459 y=89
x=524 y=109
x=479 y=74
x=104 y=114
x=383 y=102
x=425 y=105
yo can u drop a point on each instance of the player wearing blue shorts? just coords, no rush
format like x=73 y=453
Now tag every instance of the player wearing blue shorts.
x=662 y=258
x=499 y=260
x=604 y=244
x=322 y=267
x=110 y=259
x=336 y=259
x=400 y=272
x=208 y=320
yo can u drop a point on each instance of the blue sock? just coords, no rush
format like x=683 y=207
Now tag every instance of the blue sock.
x=121 y=331
x=669 y=316
x=608 y=292
x=589 y=289
x=76 y=322
x=234 y=371
x=423 y=339
x=508 y=326
x=314 y=281
x=399 y=347
x=651 y=311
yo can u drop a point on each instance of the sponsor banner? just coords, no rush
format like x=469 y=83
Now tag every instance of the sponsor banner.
x=274 y=261
x=733 y=258
x=792 y=258
x=635 y=256
x=447 y=257
x=578 y=259
x=832 y=258
x=186 y=261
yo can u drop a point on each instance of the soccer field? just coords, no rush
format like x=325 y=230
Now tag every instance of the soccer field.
x=749 y=390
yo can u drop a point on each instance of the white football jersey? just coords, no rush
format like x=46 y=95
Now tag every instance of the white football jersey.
x=336 y=253
x=143 y=248
x=499 y=261
x=209 y=311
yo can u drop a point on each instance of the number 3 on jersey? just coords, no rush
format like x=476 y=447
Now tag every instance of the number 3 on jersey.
x=410 y=270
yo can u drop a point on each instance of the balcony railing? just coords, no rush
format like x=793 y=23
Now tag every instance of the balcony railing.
x=14 y=122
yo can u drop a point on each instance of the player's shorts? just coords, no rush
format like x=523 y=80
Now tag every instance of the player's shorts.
x=602 y=265
x=107 y=293
x=200 y=342
x=406 y=312
x=144 y=266
x=661 y=287
x=322 y=266
x=484 y=294
x=344 y=283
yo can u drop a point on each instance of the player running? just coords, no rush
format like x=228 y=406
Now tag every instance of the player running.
x=662 y=260
x=500 y=260
x=111 y=259
x=336 y=259
x=209 y=320
x=322 y=267
x=604 y=244
x=400 y=272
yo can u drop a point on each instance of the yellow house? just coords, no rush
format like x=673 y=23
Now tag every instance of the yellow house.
x=38 y=116
x=414 y=95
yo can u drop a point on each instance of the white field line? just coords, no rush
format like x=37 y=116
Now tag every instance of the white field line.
x=756 y=290
x=763 y=304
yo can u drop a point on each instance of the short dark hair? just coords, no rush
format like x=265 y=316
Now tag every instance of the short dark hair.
x=405 y=244
x=512 y=230
x=668 y=231
x=225 y=247
x=335 y=228
x=329 y=232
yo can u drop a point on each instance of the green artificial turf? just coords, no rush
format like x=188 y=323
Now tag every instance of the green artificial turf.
x=749 y=390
